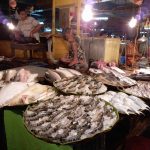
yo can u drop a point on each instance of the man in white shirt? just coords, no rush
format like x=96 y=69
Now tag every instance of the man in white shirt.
x=27 y=30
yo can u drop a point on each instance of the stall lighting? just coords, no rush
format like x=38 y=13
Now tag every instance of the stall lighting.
x=10 y=26
x=59 y=30
x=41 y=22
x=101 y=29
x=95 y=23
x=147 y=28
x=48 y=29
x=37 y=11
x=142 y=39
x=123 y=42
x=132 y=22
x=87 y=14
x=142 y=32
x=36 y=15
x=101 y=18
x=93 y=2
x=112 y=35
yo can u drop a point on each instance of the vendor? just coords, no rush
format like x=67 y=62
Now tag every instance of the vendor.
x=28 y=28
x=76 y=56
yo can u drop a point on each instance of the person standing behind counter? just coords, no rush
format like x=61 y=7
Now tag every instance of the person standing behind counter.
x=27 y=30
x=76 y=56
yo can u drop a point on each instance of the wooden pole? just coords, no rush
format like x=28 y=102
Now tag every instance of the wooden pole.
x=53 y=17
x=135 y=48
x=78 y=16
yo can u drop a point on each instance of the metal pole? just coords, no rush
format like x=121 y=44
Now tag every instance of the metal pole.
x=135 y=47
x=148 y=44
x=53 y=17
x=78 y=16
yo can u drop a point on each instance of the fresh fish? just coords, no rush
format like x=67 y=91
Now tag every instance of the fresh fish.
x=83 y=85
x=125 y=103
x=53 y=75
x=9 y=91
x=51 y=120
x=113 y=76
x=24 y=94
x=140 y=90
x=64 y=73
x=95 y=71
x=75 y=72
x=1 y=75
x=24 y=75
x=10 y=75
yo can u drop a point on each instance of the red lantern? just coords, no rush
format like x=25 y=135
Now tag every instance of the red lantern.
x=12 y=4
x=137 y=2
x=72 y=13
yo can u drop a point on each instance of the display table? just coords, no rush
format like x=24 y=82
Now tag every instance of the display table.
x=18 y=138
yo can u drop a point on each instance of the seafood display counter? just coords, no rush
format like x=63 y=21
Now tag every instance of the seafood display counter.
x=78 y=108
x=11 y=122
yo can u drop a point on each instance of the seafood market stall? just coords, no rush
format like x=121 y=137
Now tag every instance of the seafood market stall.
x=13 y=115
x=71 y=108
x=65 y=109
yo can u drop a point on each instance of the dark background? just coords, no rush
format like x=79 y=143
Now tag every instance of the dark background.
x=118 y=11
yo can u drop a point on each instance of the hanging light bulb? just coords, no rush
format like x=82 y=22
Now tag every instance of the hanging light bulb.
x=132 y=22
x=87 y=14
x=12 y=4
x=10 y=26
x=95 y=23
x=142 y=39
